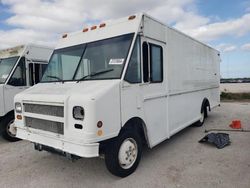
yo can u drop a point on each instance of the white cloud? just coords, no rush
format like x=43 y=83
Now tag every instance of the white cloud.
x=45 y=20
x=234 y=27
x=246 y=47
x=21 y=36
x=33 y=18
x=226 y=47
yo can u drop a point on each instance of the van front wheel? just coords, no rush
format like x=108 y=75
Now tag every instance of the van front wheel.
x=123 y=154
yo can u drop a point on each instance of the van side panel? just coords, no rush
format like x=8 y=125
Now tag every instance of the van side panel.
x=191 y=65
x=193 y=74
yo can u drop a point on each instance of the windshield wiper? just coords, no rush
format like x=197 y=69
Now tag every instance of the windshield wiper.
x=94 y=74
x=55 y=77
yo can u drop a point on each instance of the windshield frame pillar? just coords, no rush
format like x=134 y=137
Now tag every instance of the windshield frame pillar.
x=129 y=55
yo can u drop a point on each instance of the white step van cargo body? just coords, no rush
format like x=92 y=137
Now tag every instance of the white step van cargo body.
x=20 y=68
x=111 y=88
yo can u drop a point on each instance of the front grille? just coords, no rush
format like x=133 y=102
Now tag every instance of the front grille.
x=44 y=109
x=51 y=126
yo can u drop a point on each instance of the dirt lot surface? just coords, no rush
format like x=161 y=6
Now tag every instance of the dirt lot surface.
x=235 y=87
x=178 y=162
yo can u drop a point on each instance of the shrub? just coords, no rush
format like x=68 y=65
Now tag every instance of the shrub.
x=234 y=96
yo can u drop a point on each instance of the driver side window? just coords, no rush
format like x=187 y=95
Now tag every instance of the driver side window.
x=19 y=76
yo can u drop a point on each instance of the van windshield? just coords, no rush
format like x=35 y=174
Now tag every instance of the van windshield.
x=103 y=59
x=6 y=65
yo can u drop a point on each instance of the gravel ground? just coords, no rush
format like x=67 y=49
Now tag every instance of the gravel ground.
x=178 y=162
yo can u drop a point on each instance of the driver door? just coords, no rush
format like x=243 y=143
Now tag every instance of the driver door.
x=154 y=90
x=144 y=91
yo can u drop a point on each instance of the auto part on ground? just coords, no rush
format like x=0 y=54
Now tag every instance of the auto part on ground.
x=220 y=140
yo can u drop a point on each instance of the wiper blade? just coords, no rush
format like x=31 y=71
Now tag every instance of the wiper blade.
x=55 y=77
x=95 y=73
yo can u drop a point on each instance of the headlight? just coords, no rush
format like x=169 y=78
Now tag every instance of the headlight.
x=78 y=112
x=18 y=107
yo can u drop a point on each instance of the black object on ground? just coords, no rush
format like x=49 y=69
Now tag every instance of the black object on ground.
x=220 y=140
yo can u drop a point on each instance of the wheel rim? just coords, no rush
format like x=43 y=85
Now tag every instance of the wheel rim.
x=128 y=153
x=202 y=117
x=10 y=129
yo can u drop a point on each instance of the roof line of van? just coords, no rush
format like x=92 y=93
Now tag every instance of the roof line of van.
x=172 y=28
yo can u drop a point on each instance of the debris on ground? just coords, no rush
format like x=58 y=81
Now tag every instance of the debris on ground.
x=220 y=140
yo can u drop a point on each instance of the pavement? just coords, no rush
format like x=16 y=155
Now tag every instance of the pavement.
x=180 y=162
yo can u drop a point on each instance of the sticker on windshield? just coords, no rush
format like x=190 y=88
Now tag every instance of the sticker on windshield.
x=116 y=61
x=4 y=76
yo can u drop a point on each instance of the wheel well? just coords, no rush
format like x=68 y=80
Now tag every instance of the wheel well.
x=205 y=103
x=11 y=113
x=139 y=125
x=8 y=114
x=134 y=123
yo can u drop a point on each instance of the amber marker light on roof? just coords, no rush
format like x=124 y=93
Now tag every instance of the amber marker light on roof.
x=102 y=25
x=64 y=35
x=93 y=27
x=85 y=29
x=131 y=17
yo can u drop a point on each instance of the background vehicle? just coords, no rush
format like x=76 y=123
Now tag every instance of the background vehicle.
x=114 y=87
x=20 y=68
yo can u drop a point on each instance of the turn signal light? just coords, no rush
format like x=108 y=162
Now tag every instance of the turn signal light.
x=99 y=132
x=19 y=117
x=93 y=27
x=131 y=17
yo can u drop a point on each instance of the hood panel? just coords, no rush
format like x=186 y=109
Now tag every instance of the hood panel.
x=100 y=100
x=59 y=92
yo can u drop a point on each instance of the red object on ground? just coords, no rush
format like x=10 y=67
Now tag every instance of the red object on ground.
x=236 y=124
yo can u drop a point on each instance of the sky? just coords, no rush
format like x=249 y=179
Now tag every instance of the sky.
x=223 y=24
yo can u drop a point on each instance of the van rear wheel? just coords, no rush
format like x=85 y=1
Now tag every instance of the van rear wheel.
x=9 y=131
x=123 y=154
x=201 y=121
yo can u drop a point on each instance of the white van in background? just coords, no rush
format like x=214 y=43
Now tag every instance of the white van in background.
x=20 y=68
x=113 y=87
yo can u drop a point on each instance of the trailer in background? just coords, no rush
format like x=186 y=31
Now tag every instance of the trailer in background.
x=20 y=68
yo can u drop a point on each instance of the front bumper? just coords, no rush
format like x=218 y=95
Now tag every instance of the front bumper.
x=78 y=149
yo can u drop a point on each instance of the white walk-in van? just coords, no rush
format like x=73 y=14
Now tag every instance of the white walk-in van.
x=113 y=87
x=20 y=68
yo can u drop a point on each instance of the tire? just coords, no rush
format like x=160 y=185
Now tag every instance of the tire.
x=123 y=154
x=7 y=124
x=202 y=119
